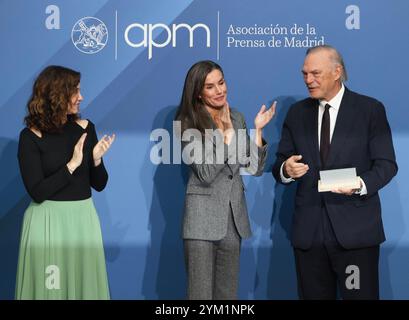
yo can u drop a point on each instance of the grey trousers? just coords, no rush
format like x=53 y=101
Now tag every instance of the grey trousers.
x=213 y=266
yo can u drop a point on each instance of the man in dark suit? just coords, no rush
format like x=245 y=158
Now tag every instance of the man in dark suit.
x=335 y=235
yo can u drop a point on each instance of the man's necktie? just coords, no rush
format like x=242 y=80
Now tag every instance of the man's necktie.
x=325 y=135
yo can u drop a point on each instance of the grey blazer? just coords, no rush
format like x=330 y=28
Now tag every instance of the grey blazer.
x=212 y=187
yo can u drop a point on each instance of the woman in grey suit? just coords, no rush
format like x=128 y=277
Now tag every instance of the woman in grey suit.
x=215 y=217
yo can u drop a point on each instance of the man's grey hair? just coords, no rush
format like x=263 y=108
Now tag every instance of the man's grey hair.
x=336 y=57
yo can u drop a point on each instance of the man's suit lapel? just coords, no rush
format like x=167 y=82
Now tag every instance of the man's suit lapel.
x=311 y=128
x=342 y=128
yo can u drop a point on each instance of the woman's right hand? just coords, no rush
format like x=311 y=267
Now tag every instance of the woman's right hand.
x=77 y=155
x=228 y=130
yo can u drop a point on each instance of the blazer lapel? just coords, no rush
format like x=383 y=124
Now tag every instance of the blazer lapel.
x=342 y=127
x=235 y=123
x=311 y=129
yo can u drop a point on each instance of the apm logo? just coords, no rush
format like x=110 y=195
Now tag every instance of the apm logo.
x=149 y=42
x=89 y=35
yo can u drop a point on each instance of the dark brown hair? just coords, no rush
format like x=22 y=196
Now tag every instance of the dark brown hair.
x=191 y=110
x=51 y=96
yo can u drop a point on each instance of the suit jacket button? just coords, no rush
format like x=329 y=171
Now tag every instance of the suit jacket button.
x=230 y=177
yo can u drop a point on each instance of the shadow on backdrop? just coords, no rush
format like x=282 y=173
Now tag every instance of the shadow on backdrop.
x=270 y=254
x=281 y=274
x=14 y=201
x=164 y=276
x=389 y=280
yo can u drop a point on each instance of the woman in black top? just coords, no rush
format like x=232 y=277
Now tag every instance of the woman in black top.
x=61 y=251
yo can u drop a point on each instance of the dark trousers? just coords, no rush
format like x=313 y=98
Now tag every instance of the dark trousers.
x=327 y=266
x=213 y=266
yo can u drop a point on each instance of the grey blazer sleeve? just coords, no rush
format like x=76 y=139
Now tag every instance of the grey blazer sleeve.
x=256 y=155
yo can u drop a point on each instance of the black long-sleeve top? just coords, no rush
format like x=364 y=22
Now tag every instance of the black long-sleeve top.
x=43 y=164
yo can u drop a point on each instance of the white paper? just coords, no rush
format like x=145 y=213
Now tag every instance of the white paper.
x=338 y=178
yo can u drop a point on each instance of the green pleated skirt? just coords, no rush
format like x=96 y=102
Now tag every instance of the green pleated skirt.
x=61 y=252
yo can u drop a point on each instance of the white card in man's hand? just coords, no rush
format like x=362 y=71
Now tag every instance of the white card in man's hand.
x=338 y=178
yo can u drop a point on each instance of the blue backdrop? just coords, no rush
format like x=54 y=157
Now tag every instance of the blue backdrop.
x=131 y=91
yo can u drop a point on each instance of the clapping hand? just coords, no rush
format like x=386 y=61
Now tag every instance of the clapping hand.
x=228 y=130
x=77 y=155
x=102 y=147
x=264 y=116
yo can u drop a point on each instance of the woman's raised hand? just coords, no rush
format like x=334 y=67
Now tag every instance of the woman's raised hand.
x=264 y=116
x=77 y=155
x=102 y=147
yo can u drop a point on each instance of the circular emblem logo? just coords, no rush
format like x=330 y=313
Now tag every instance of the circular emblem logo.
x=89 y=35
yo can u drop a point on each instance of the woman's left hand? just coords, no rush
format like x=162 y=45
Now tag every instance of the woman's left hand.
x=102 y=147
x=264 y=116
